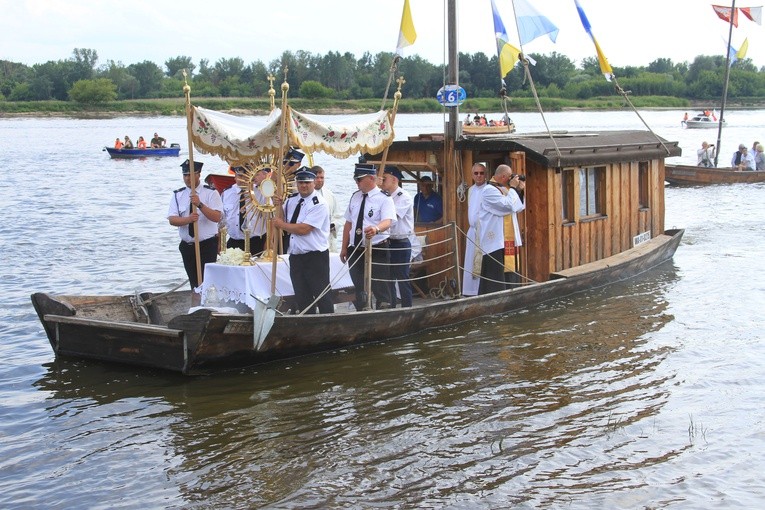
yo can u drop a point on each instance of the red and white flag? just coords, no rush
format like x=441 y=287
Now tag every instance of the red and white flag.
x=753 y=13
x=724 y=14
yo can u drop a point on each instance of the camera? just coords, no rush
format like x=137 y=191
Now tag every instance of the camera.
x=519 y=176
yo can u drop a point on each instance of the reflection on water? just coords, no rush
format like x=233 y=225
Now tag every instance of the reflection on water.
x=528 y=408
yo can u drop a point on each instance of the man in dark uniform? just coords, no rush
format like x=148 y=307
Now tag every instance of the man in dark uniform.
x=306 y=221
x=208 y=213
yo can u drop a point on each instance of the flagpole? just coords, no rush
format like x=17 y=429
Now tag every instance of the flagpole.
x=725 y=83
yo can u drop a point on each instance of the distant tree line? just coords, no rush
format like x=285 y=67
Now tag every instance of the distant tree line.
x=343 y=76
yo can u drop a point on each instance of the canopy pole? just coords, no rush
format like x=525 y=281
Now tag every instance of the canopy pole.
x=396 y=98
x=280 y=179
x=192 y=173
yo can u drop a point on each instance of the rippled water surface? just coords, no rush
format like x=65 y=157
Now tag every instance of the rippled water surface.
x=643 y=394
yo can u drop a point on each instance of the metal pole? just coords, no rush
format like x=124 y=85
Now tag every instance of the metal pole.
x=725 y=83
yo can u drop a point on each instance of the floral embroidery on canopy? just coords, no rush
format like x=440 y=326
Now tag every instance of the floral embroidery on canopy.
x=240 y=139
x=369 y=133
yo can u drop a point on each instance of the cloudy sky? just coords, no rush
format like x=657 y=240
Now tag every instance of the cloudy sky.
x=130 y=31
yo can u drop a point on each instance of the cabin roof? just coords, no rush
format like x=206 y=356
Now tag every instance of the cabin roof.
x=575 y=148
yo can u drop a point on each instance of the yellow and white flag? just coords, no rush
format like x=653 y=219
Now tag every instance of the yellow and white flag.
x=407 y=35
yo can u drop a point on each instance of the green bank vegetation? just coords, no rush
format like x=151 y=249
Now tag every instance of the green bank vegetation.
x=342 y=82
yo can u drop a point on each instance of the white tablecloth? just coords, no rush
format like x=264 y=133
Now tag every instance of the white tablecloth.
x=240 y=283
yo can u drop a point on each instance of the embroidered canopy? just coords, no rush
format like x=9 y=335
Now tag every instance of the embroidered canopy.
x=238 y=140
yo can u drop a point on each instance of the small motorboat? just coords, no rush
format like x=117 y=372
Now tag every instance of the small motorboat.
x=173 y=150
x=703 y=120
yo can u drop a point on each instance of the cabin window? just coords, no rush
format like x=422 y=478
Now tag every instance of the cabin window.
x=591 y=191
x=567 y=201
x=643 y=184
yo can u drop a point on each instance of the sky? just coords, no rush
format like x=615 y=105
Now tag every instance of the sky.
x=130 y=31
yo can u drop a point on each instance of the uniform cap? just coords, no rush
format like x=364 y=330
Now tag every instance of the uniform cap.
x=293 y=155
x=363 y=169
x=197 y=166
x=395 y=172
x=304 y=175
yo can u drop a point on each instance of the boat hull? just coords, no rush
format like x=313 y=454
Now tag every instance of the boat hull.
x=205 y=341
x=173 y=150
x=487 y=130
x=698 y=175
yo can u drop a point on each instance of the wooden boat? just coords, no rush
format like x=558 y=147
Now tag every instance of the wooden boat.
x=173 y=150
x=594 y=215
x=472 y=129
x=703 y=120
x=699 y=175
x=564 y=252
x=162 y=335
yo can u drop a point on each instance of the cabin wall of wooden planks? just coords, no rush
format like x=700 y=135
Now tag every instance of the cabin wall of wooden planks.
x=552 y=245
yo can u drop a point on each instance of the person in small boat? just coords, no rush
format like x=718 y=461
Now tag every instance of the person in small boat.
x=759 y=158
x=706 y=155
x=369 y=215
x=308 y=228
x=141 y=144
x=237 y=215
x=684 y=122
x=428 y=205
x=497 y=202
x=208 y=213
x=329 y=197
x=157 y=142
x=473 y=255
x=118 y=144
x=128 y=143
x=400 y=232
x=742 y=160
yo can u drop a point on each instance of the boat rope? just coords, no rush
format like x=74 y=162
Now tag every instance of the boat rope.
x=623 y=93
x=527 y=73
x=328 y=288
x=477 y=247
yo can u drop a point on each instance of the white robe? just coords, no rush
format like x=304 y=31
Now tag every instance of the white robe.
x=470 y=277
x=494 y=207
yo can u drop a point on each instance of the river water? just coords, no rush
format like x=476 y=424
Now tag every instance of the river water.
x=644 y=394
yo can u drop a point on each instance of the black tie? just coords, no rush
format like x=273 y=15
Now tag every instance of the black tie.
x=297 y=211
x=360 y=222
x=241 y=212
x=191 y=225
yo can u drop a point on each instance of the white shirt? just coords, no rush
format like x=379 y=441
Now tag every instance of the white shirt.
x=180 y=206
x=314 y=212
x=334 y=217
x=255 y=222
x=378 y=207
x=404 y=225
x=494 y=207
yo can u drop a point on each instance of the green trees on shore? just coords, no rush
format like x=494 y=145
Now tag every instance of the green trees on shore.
x=344 y=76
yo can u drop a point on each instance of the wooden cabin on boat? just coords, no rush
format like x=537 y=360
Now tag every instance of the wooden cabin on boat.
x=589 y=195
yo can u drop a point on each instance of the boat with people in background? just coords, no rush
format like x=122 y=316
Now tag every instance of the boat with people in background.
x=133 y=153
x=703 y=120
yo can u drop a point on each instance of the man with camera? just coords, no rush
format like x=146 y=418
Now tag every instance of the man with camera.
x=706 y=155
x=503 y=196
